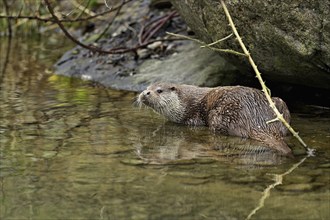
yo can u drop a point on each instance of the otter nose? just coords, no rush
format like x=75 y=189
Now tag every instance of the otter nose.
x=147 y=92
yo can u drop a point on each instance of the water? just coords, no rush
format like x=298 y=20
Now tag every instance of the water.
x=71 y=149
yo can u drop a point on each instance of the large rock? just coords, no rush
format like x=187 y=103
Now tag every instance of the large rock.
x=190 y=64
x=289 y=40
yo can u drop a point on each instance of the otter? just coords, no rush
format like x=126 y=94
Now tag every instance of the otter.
x=230 y=110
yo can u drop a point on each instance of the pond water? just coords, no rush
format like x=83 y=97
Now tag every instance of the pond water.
x=71 y=149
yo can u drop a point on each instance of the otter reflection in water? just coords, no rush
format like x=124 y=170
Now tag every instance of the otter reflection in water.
x=231 y=110
x=171 y=144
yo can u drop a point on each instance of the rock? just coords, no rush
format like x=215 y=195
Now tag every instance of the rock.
x=154 y=45
x=289 y=40
x=193 y=65
x=190 y=65
x=143 y=53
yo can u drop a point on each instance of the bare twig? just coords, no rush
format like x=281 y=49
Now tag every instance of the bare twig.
x=15 y=17
x=271 y=121
x=51 y=19
x=110 y=23
x=262 y=83
x=106 y=4
x=218 y=41
x=157 y=25
x=89 y=47
x=207 y=46
x=145 y=28
x=83 y=9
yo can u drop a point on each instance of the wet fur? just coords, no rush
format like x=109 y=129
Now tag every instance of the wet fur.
x=231 y=110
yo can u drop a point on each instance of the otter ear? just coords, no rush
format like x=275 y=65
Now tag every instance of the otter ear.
x=172 y=88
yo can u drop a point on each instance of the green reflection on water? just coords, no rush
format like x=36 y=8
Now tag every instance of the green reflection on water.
x=71 y=150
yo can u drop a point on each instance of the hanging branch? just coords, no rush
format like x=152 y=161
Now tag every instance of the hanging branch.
x=145 y=28
x=89 y=47
x=51 y=19
x=209 y=46
x=154 y=26
x=83 y=9
x=218 y=41
x=279 y=116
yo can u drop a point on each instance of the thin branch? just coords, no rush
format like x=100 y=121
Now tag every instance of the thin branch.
x=156 y=25
x=258 y=75
x=218 y=41
x=144 y=28
x=51 y=19
x=106 y=4
x=83 y=9
x=186 y=37
x=59 y=23
x=226 y=51
x=271 y=121
x=111 y=22
x=15 y=17
x=89 y=47
x=207 y=46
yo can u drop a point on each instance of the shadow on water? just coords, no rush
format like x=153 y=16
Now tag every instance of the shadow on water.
x=71 y=149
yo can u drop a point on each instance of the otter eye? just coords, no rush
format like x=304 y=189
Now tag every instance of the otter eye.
x=159 y=90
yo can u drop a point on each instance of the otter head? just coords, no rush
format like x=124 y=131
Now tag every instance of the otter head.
x=164 y=99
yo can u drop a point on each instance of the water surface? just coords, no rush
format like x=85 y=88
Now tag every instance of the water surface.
x=71 y=149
